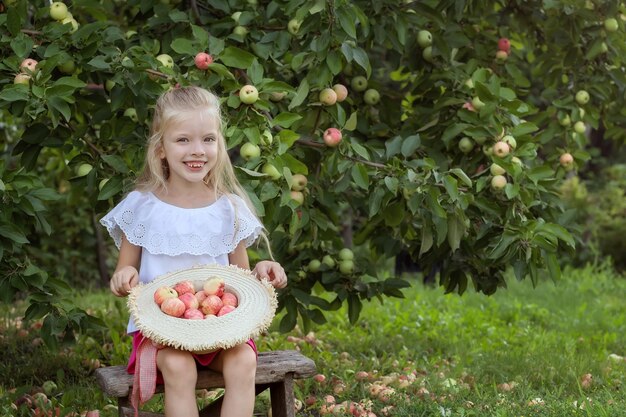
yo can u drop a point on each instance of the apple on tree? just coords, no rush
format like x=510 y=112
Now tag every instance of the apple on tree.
x=504 y=45
x=297 y=196
x=203 y=60
x=166 y=60
x=498 y=182
x=28 y=66
x=611 y=24
x=466 y=145
x=582 y=97
x=328 y=97
x=371 y=97
x=567 y=160
x=298 y=182
x=249 y=151
x=271 y=171
x=22 y=79
x=580 y=127
x=496 y=169
x=332 y=137
x=294 y=26
x=72 y=22
x=341 y=91
x=510 y=140
x=131 y=113
x=240 y=31
x=359 y=83
x=424 y=38
x=427 y=54
x=501 y=56
x=501 y=149
x=248 y=94
x=58 y=10
x=477 y=103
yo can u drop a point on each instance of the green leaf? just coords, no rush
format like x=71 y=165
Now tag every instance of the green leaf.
x=539 y=173
x=456 y=230
x=22 y=45
x=360 y=176
x=392 y=184
x=346 y=21
x=286 y=119
x=236 y=58
x=394 y=214
x=360 y=150
x=184 y=47
x=351 y=122
x=354 y=308
x=11 y=232
x=61 y=106
x=116 y=162
x=523 y=129
x=553 y=265
x=427 y=239
x=462 y=176
x=361 y=58
x=410 y=145
x=14 y=92
x=301 y=94
x=112 y=187
x=560 y=232
x=451 y=187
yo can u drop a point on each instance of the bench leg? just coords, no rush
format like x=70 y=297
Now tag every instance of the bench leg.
x=282 y=398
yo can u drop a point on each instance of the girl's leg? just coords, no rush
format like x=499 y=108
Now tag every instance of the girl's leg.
x=238 y=366
x=179 y=377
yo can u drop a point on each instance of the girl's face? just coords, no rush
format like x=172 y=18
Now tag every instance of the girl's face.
x=190 y=147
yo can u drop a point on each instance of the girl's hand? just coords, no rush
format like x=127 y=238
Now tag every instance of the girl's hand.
x=123 y=280
x=273 y=272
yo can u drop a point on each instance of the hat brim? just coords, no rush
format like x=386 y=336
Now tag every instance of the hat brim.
x=253 y=315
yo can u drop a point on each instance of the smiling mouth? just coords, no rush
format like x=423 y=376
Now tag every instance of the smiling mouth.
x=194 y=164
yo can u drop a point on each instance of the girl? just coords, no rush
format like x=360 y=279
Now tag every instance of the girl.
x=188 y=209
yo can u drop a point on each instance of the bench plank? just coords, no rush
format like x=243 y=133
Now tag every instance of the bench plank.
x=271 y=367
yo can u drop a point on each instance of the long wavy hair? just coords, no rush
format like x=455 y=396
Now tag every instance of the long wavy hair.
x=170 y=108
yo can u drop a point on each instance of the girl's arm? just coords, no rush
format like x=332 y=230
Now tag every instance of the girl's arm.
x=126 y=273
x=270 y=270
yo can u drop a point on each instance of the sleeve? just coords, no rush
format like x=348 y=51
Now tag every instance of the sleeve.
x=113 y=219
x=247 y=225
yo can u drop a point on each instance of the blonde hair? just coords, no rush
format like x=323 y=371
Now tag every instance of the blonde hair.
x=170 y=108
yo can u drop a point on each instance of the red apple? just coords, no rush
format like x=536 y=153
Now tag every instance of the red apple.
x=173 y=307
x=504 y=45
x=225 y=310
x=201 y=296
x=203 y=60
x=214 y=286
x=332 y=136
x=211 y=305
x=230 y=299
x=163 y=293
x=193 y=314
x=184 y=287
x=189 y=299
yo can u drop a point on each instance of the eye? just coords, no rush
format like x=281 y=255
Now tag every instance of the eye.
x=182 y=139
x=210 y=139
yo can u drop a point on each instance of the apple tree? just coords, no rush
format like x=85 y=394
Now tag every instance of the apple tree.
x=361 y=130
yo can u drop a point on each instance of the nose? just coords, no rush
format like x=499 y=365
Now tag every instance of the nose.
x=198 y=148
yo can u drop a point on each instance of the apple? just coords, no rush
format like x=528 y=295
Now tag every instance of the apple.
x=498 y=182
x=488 y=149
x=502 y=56
x=501 y=149
x=22 y=79
x=203 y=60
x=298 y=196
x=604 y=48
x=272 y=171
x=469 y=83
x=230 y=299
x=28 y=66
x=132 y=114
x=496 y=169
x=193 y=314
x=58 y=10
x=173 y=307
x=248 y=94
x=200 y=296
x=166 y=60
x=277 y=96
x=294 y=26
x=466 y=145
x=565 y=121
x=93 y=413
x=346 y=266
x=225 y=310
x=424 y=38
x=190 y=300
x=517 y=161
x=427 y=54
x=211 y=305
x=346 y=254
x=49 y=387
x=477 y=103
x=332 y=137
x=184 y=287
x=469 y=106
x=67 y=66
x=504 y=45
x=566 y=160
x=580 y=127
x=359 y=83
x=240 y=31
x=371 y=97
x=328 y=261
x=214 y=286
x=611 y=25
x=249 y=151
x=341 y=91
x=314 y=265
x=83 y=169
x=510 y=140
x=163 y=293
x=298 y=182
x=72 y=22
x=582 y=97
x=328 y=97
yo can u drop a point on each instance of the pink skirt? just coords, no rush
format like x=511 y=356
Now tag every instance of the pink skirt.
x=202 y=360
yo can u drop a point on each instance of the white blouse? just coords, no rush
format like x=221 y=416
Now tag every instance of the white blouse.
x=174 y=238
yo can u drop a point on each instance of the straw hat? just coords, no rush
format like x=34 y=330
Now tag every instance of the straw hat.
x=254 y=313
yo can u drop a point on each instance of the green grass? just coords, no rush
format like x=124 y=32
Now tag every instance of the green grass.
x=456 y=351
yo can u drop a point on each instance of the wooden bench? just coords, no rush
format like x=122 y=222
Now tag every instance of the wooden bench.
x=276 y=370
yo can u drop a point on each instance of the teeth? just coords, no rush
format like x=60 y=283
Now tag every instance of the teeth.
x=195 y=165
